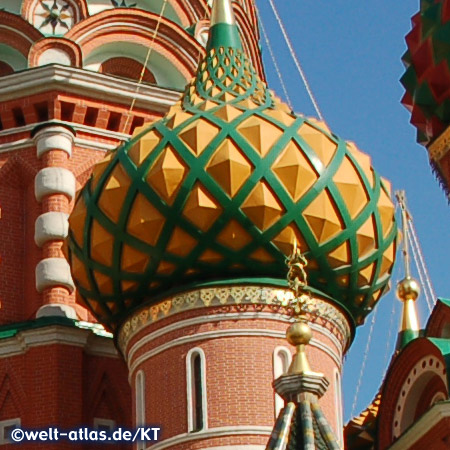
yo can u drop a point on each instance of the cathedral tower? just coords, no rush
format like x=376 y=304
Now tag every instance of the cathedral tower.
x=178 y=244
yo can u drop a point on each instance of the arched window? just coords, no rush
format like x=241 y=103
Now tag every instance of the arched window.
x=140 y=404
x=338 y=405
x=281 y=361
x=196 y=390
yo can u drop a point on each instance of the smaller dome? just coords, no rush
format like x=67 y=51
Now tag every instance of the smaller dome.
x=219 y=190
x=427 y=75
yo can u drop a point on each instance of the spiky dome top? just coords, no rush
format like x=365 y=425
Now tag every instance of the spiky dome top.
x=427 y=75
x=218 y=191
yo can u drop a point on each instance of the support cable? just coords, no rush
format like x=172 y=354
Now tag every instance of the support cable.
x=274 y=61
x=421 y=259
x=296 y=61
x=390 y=332
x=363 y=365
x=422 y=278
x=147 y=58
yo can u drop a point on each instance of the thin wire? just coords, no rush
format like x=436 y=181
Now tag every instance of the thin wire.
x=389 y=336
x=296 y=61
x=274 y=61
x=363 y=366
x=422 y=260
x=149 y=52
x=395 y=276
x=421 y=277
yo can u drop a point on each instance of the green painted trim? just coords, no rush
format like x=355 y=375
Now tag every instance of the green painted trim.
x=405 y=337
x=444 y=347
x=444 y=301
x=224 y=35
x=10 y=330
x=52 y=123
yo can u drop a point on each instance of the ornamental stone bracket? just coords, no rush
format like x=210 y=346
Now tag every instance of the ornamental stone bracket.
x=55 y=186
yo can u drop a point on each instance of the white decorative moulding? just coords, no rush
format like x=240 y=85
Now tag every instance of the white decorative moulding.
x=56 y=310
x=51 y=272
x=54 y=180
x=51 y=226
x=54 y=138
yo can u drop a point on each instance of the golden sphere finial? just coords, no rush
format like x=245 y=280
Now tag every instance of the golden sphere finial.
x=408 y=289
x=299 y=333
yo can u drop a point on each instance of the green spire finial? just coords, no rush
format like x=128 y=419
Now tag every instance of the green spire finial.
x=223 y=31
x=222 y=12
x=408 y=289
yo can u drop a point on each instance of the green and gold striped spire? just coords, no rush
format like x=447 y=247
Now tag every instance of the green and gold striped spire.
x=408 y=289
x=223 y=30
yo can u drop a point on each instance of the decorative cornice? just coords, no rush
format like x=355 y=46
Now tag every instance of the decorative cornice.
x=86 y=83
x=220 y=317
x=236 y=299
x=78 y=142
x=291 y=386
x=133 y=365
x=57 y=334
x=428 y=363
x=431 y=418
x=440 y=146
x=238 y=430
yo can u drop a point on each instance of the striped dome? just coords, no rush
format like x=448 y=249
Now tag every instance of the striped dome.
x=220 y=189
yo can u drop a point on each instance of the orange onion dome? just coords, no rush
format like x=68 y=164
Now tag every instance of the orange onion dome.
x=219 y=190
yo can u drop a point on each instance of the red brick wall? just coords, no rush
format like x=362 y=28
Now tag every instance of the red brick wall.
x=239 y=375
x=61 y=385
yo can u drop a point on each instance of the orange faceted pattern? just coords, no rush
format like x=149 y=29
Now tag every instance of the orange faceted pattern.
x=201 y=209
x=167 y=174
x=366 y=237
x=114 y=191
x=287 y=237
x=340 y=256
x=181 y=243
x=229 y=167
x=387 y=211
x=351 y=188
x=234 y=236
x=323 y=218
x=261 y=134
x=77 y=220
x=324 y=147
x=294 y=171
x=145 y=221
x=139 y=152
x=133 y=260
x=262 y=206
x=198 y=135
x=102 y=243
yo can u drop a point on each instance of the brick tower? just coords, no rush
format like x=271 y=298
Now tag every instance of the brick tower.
x=178 y=244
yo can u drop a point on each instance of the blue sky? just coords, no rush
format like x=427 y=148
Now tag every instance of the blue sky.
x=351 y=52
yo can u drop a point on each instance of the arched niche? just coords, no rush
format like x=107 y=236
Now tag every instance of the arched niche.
x=12 y=57
x=164 y=71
